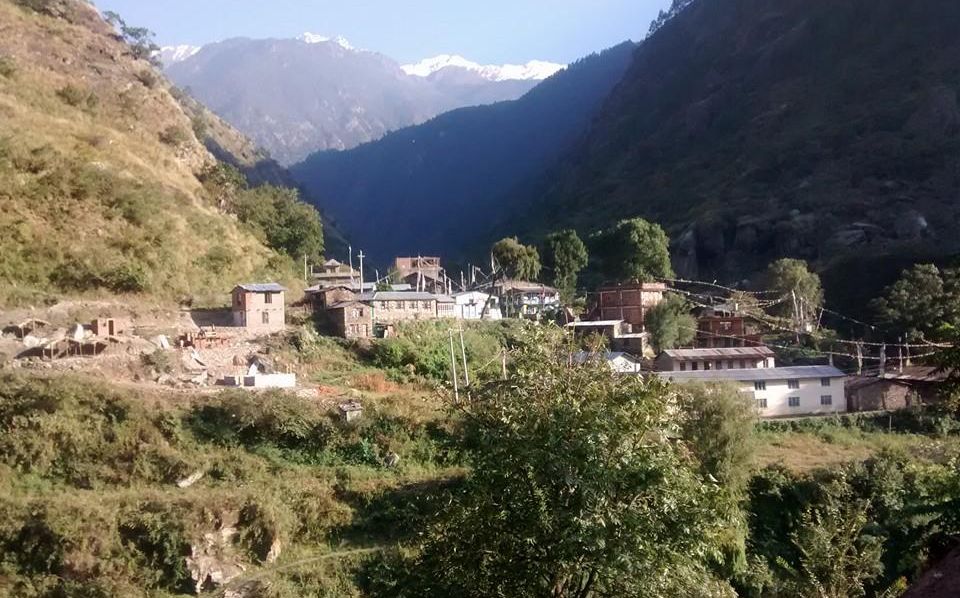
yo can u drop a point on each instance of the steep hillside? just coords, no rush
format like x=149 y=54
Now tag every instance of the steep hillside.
x=760 y=128
x=297 y=96
x=438 y=186
x=99 y=164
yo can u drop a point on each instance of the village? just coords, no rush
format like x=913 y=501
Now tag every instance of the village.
x=231 y=347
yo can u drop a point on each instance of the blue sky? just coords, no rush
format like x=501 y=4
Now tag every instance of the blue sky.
x=488 y=31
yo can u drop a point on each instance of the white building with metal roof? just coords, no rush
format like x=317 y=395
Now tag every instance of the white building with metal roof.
x=780 y=392
x=720 y=358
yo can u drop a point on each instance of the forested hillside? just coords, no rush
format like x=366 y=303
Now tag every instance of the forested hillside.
x=105 y=183
x=751 y=129
x=438 y=186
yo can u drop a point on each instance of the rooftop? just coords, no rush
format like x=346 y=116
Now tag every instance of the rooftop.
x=595 y=324
x=525 y=286
x=585 y=356
x=267 y=287
x=720 y=352
x=799 y=372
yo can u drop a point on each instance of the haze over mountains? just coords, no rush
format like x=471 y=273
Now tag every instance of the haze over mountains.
x=751 y=129
x=296 y=96
x=442 y=185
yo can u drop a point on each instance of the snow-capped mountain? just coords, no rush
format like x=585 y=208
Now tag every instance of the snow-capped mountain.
x=535 y=70
x=319 y=92
x=174 y=54
x=313 y=38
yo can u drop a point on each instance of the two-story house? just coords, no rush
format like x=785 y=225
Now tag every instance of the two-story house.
x=259 y=307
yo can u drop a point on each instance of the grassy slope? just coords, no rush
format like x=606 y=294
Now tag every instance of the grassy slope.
x=98 y=164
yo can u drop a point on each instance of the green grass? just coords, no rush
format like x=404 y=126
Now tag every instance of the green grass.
x=90 y=506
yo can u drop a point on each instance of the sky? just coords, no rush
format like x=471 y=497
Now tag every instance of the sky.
x=487 y=31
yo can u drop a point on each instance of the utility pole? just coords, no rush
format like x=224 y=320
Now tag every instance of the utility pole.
x=306 y=277
x=361 y=256
x=503 y=362
x=350 y=251
x=859 y=358
x=463 y=282
x=883 y=358
x=900 y=354
x=463 y=352
x=453 y=371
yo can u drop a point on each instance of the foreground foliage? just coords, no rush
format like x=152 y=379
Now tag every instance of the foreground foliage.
x=576 y=489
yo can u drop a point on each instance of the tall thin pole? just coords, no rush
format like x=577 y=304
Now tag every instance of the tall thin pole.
x=350 y=251
x=453 y=370
x=306 y=276
x=859 y=359
x=361 y=256
x=463 y=352
x=900 y=354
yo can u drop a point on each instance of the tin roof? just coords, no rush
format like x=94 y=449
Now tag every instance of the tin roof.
x=751 y=375
x=268 y=287
x=594 y=323
x=719 y=353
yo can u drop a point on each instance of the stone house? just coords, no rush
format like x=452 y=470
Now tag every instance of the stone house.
x=914 y=385
x=259 y=307
x=351 y=319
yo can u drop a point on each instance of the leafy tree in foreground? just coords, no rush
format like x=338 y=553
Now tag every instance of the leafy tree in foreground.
x=565 y=256
x=921 y=302
x=577 y=489
x=517 y=260
x=635 y=250
x=670 y=323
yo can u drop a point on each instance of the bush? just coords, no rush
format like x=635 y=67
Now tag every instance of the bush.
x=77 y=97
x=159 y=360
x=148 y=78
x=174 y=136
x=8 y=67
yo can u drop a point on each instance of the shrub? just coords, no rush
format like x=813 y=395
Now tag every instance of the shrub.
x=72 y=95
x=8 y=67
x=148 y=78
x=199 y=125
x=174 y=136
x=159 y=360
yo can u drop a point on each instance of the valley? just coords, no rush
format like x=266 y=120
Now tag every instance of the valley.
x=281 y=316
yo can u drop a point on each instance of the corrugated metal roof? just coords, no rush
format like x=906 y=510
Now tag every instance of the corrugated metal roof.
x=752 y=375
x=267 y=287
x=585 y=356
x=720 y=352
x=397 y=296
x=594 y=323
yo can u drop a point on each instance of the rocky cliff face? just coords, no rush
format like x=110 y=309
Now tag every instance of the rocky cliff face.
x=754 y=129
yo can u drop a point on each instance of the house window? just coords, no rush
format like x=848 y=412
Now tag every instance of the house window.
x=793 y=401
x=761 y=403
x=683 y=367
x=694 y=366
x=793 y=384
x=268 y=297
x=743 y=364
x=760 y=385
x=425 y=305
x=719 y=365
x=824 y=381
x=266 y=317
x=826 y=399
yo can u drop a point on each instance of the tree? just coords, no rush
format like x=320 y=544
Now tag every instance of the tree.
x=718 y=425
x=283 y=222
x=576 y=490
x=921 y=302
x=800 y=288
x=670 y=323
x=140 y=39
x=635 y=250
x=565 y=256
x=516 y=259
x=835 y=556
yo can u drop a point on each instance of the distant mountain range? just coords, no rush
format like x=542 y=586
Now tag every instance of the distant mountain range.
x=442 y=186
x=297 y=96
